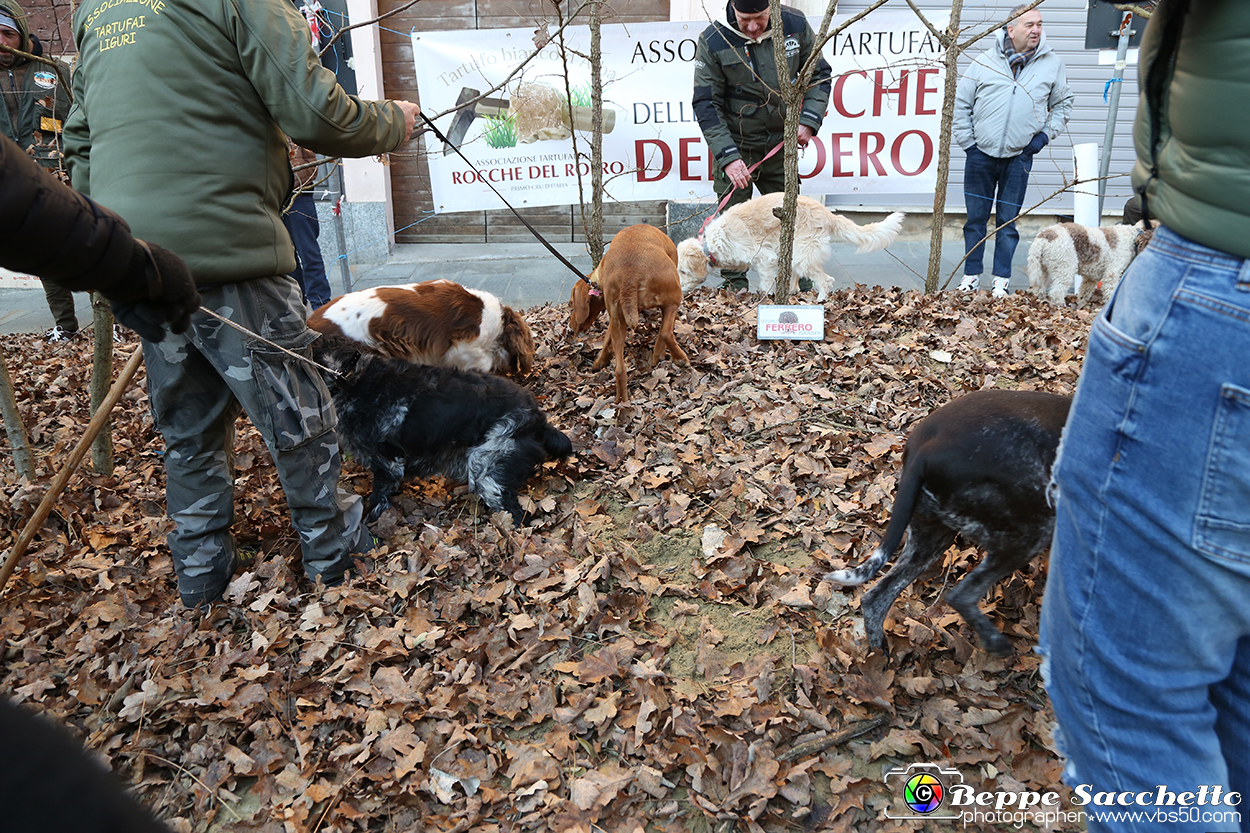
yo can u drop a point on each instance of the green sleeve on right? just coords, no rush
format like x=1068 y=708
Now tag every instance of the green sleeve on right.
x=76 y=140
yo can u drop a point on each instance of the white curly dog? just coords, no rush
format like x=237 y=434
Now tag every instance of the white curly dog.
x=749 y=235
x=1068 y=257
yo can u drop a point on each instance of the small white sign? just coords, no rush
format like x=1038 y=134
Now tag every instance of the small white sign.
x=795 y=323
x=1107 y=56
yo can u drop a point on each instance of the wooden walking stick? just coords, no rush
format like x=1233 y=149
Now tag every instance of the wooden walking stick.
x=98 y=419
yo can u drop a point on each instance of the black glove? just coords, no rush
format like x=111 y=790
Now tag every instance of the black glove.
x=1038 y=142
x=159 y=290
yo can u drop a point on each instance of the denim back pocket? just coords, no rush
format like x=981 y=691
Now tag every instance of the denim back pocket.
x=1222 y=525
x=295 y=402
x=1112 y=358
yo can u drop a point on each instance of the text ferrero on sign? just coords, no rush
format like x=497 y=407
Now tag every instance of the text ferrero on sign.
x=792 y=322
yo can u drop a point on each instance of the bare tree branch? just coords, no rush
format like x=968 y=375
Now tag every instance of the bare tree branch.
x=57 y=66
x=943 y=37
x=520 y=66
x=377 y=19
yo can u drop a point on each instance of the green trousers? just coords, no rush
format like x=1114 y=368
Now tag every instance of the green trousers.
x=61 y=303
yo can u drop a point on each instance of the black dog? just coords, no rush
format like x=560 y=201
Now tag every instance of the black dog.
x=978 y=467
x=402 y=420
x=48 y=782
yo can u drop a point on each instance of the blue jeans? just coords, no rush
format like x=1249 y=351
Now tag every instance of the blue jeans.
x=310 y=271
x=988 y=179
x=1146 y=617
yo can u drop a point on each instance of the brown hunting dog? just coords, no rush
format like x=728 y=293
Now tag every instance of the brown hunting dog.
x=436 y=323
x=639 y=271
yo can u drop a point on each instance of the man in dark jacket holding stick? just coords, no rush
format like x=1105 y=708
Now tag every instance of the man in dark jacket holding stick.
x=209 y=93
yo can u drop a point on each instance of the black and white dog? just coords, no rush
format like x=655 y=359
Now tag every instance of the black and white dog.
x=977 y=467
x=402 y=420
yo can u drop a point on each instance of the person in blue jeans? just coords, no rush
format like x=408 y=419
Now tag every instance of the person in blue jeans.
x=302 y=224
x=1013 y=100
x=1146 y=616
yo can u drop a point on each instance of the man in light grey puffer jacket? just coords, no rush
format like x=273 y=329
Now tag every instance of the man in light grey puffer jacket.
x=1010 y=104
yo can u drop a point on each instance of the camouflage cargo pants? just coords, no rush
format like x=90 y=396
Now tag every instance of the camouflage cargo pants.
x=197 y=384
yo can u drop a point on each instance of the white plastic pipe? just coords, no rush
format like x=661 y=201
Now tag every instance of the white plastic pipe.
x=1085 y=193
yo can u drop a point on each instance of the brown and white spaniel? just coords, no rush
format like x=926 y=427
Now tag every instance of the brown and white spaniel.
x=436 y=323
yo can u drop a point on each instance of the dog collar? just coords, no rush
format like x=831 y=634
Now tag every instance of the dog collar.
x=711 y=258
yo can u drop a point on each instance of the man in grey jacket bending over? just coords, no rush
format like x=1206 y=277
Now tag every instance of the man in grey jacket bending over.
x=1010 y=104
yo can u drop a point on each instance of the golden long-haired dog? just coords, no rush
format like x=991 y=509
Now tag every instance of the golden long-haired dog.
x=749 y=235
x=639 y=271
x=436 y=323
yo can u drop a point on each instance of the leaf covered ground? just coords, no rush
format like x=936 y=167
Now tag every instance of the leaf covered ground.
x=657 y=653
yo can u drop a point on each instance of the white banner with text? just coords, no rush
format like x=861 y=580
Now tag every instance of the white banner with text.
x=880 y=134
x=16 y=280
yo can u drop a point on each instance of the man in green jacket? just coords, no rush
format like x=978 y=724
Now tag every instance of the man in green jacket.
x=34 y=107
x=179 y=124
x=35 y=104
x=737 y=100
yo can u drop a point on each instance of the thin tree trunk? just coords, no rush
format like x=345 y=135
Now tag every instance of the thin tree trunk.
x=101 y=379
x=792 y=99
x=592 y=221
x=23 y=461
x=71 y=465
x=594 y=238
x=950 y=41
x=792 y=93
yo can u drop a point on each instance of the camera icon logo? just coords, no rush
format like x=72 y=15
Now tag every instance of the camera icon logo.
x=923 y=789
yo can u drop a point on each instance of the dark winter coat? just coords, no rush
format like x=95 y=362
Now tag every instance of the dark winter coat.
x=1202 y=186
x=735 y=83
x=50 y=230
x=32 y=96
x=48 y=782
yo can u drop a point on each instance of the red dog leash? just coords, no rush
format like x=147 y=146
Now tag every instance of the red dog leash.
x=725 y=199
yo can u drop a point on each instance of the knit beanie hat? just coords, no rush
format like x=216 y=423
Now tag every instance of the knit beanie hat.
x=750 y=6
x=5 y=20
